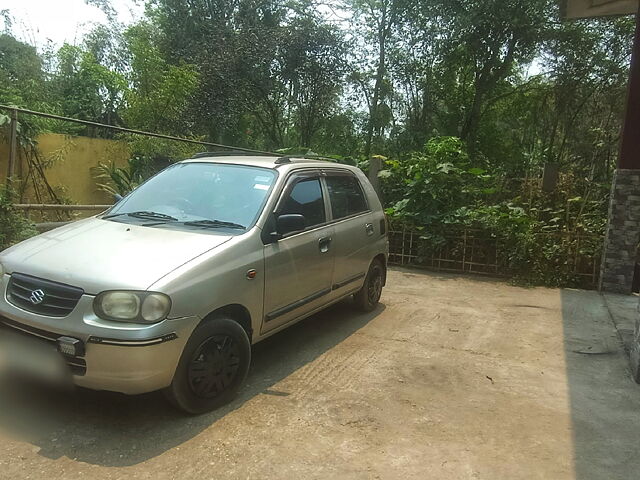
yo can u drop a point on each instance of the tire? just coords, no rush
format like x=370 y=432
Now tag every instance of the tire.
x=212 y=367
x=367 y=298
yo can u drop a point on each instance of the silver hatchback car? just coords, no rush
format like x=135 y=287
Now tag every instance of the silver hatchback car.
x=170 y=287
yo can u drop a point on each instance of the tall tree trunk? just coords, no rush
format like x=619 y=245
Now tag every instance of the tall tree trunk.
x=486 y=80
x=307 y=129
x=469 y=132
x=380 y=72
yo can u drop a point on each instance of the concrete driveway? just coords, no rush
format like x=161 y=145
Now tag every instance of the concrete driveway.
x=452 y=377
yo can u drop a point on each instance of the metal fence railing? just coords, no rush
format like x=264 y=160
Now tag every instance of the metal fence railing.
x=69 y=211
x=60 y=208
x=14 y=113
x=466 y=250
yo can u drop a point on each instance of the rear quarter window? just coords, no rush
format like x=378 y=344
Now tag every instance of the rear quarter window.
x=346 y=196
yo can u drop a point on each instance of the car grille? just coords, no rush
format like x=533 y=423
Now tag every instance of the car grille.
x=41 y=296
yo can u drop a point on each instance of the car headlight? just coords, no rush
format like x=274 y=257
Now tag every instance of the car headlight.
x=136 y=307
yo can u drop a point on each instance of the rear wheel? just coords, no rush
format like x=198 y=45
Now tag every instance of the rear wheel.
x=213 y=366
x=368 y=296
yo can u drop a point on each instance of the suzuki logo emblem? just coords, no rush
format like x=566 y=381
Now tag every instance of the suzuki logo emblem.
x=37 y=297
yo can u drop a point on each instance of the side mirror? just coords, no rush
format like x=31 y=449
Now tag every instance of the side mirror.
x=290 y=223
x=117 y=197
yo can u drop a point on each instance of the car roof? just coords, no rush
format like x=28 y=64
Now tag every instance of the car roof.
x=266 y=161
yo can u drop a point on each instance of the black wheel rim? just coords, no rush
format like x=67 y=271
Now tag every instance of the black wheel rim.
x=214 y=366
x=374 y=289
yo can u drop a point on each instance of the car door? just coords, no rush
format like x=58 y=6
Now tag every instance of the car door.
x=354 y=230
x=299 y=267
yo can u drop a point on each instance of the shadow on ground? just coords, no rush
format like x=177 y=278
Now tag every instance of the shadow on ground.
x=604 y=401
x=109 y=429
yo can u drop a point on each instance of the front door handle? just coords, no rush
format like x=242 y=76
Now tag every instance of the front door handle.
x=369 y=228
x=324 y=244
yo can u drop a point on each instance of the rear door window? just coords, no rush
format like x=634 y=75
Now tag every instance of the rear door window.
x=346 y=196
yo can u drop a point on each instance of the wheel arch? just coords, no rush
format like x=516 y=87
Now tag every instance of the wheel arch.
x=236 y=312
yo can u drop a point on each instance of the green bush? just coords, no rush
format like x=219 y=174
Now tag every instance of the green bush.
x=14 y=227
x=116 y=180
x=535 y=237
x=429 y=186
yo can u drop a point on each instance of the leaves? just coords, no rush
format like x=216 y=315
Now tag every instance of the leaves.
x=14 y=227
x=116 y=180
x=467 y=105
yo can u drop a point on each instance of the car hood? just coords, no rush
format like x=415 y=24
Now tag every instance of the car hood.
x=98 y=255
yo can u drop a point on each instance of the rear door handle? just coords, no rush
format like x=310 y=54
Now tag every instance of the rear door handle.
x=324 y=244
x=369 y=228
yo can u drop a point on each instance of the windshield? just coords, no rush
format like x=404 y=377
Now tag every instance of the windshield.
x=198 y=195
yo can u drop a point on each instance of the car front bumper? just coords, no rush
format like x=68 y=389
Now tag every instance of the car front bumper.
x=119 y=357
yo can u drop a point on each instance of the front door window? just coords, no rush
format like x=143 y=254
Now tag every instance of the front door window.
x=306 y=199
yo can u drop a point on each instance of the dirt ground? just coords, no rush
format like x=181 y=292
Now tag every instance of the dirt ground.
x=452 y=377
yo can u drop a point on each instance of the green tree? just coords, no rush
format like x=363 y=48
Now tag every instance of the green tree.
x=22 y=79
x=160 y=94
x=377 y=20
x=86 y=89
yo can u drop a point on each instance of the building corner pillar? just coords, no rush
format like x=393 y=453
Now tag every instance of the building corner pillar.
x=622 y=234
x=623 y=228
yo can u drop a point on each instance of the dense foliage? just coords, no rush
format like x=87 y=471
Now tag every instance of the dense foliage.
x=14 y=227
x=536 y=237
x=470 y=103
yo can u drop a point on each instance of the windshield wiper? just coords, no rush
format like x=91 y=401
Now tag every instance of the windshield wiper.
x=145 y=215
x=214 y=224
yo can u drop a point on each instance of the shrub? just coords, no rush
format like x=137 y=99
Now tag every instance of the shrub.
x=14 y=227
x=552 y=239
x=116 y=180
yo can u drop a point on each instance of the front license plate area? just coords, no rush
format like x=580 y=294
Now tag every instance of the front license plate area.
x=26 y=359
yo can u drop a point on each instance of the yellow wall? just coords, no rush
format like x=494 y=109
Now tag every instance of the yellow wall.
x=70 y=160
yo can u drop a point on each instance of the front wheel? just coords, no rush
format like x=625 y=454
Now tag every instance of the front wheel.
x=213 y=366
x=368 y=296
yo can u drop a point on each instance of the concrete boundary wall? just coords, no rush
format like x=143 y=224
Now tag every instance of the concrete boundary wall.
x=69 y=162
